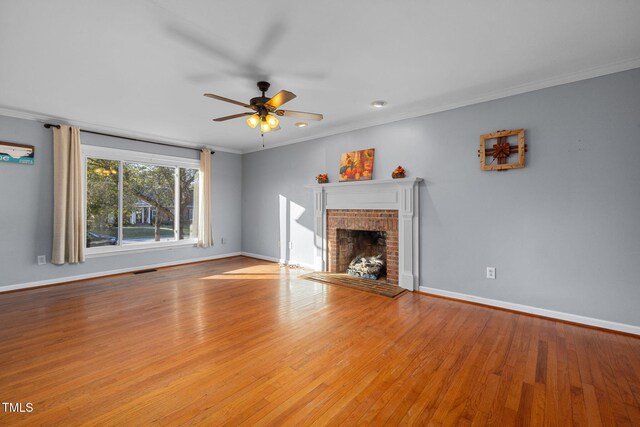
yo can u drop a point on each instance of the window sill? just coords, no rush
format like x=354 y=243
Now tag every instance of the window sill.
x=138 y=248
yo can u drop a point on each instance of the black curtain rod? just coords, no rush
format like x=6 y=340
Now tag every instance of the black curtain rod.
x=49 y=125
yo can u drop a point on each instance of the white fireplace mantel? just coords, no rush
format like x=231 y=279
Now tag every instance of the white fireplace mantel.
x=397 y=194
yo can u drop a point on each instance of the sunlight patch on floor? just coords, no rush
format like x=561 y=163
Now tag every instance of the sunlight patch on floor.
x=259 y=272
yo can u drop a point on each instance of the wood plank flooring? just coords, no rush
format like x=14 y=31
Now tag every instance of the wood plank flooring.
x=245 y=342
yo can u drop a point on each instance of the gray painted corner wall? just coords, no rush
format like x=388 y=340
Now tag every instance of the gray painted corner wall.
x=563 y=232
x=26 y=203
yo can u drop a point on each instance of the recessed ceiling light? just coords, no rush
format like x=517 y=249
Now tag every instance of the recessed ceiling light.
x=378 y=104
x=302 y=124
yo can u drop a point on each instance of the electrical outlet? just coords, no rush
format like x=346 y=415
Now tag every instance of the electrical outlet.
x=42 y=259
x=491 y=272
x=290 y=245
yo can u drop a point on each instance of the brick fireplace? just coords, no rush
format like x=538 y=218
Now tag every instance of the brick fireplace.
x=382 y=220
x=389 y=206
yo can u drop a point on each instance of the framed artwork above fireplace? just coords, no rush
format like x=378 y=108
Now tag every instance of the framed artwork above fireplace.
x=357 y=165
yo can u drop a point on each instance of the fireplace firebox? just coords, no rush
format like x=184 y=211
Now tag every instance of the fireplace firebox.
x=356 y=232
x=362 y=253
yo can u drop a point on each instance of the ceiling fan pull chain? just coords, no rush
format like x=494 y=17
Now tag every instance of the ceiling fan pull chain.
x=262 y=140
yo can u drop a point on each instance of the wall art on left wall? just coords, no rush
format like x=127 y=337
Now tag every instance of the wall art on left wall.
x=17 y=153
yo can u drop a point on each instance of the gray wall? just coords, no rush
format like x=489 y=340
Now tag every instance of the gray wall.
x=26 y=203
x=562 y=233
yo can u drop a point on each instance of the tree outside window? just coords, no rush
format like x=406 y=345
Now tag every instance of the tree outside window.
x=147 y=206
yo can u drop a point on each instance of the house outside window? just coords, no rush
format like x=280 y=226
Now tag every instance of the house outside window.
x=138 y=201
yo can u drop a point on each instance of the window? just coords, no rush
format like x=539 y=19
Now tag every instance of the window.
x=138 y=201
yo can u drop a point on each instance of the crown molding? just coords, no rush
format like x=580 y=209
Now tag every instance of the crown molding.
x=45 y=118
x=416 y=111
x=590 y=73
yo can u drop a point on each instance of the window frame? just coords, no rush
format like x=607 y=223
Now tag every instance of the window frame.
x=129 y=156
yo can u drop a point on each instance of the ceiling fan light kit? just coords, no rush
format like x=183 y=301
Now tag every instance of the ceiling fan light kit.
x=265 y=109
x=267 y=123
x=253 y=121
x=272 y=121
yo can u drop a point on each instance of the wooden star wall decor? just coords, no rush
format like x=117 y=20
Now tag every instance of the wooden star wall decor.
x=502 y=151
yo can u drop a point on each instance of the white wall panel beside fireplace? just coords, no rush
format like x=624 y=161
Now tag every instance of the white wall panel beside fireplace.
x=393 y=194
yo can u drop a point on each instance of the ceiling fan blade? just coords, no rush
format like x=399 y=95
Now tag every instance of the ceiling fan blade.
x=222 y=98
x=300 y=115
x=280 y=98
x=234 y=116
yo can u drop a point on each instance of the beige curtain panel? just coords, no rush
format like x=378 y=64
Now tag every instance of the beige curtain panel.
x=205 y=234
x=68 y=221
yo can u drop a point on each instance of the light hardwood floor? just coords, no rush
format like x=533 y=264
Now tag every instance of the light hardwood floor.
x=240 y=341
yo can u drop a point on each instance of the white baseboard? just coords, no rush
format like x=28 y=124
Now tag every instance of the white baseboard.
x=110 y=272
x=302 y=264
x=262 y=257
x=279 y=260
x=605 y=324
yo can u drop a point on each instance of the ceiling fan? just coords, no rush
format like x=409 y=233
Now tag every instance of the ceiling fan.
x=263 y=108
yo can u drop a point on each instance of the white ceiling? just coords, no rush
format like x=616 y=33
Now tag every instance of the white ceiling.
x=140 y=68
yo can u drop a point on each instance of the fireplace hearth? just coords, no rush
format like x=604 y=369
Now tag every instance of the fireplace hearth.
x=389 y=206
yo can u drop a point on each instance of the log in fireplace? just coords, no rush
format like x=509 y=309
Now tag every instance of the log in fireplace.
x=362 y=253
